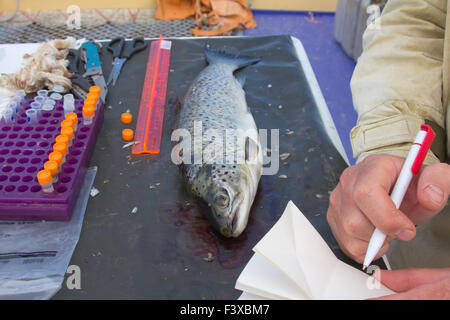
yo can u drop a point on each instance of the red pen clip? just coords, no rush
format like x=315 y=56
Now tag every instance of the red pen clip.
x=424 y=147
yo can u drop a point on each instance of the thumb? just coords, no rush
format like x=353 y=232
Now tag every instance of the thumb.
x=406 y=279
x=433 y=187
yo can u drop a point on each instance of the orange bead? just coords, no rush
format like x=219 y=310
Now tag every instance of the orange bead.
x=127 y=134
x=126 y=118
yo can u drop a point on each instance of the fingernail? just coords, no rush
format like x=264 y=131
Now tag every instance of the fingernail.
x=405 y=234
x=435 y=194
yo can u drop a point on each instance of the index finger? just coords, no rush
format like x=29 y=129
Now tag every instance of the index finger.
x=371 y=195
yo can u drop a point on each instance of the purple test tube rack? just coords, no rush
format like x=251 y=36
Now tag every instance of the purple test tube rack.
x=24 y=148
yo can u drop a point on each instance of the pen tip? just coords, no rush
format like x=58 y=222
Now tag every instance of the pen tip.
x=364 y=267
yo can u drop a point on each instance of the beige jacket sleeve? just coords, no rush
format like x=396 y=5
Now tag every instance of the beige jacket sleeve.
x=397 y=83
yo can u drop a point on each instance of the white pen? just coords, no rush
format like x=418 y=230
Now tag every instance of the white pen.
x=411 y=167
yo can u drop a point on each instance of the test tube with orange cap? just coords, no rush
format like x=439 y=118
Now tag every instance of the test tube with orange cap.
x=93 y=96
x=90 y=102
x=88 y=115
x=61 y=148
x=72 y=116
x=95 y=89
x=45 y=180
x=62 y=138
x=56 y=156
x=67 y=123
x=52 y=166
x=68 y=131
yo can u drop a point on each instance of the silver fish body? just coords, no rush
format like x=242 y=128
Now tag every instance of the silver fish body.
x=226 y=181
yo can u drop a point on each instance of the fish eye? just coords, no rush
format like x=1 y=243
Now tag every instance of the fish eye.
x=221 y=200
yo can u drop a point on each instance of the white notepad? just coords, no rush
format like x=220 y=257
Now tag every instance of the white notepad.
x=292 y=261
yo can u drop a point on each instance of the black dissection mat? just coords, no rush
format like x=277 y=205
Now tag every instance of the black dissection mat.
x=167 y=249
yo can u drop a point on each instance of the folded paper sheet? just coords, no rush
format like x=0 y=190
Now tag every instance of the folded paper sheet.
x=292 y=261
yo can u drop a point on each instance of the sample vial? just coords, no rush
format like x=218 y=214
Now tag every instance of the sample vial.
x=90 y=103
x=95 y=89
x=56 y=156
x=127 y=134
x=31 y=115
x=126 y=118
x=72 y=116
x=8 y=114
x=69 y=103
x=69 y=96
x=92 y=95
x=45 y=180
x=67 y=131
x=67 y=123
x=61 y=148
x=42 y=93
x=48 y=105
x=14 y=106
x=36 y=106
x=58 y=88
x=52 y=166
x=39 y=99
x=88 y=115
x=56 y=96
x=62 y=138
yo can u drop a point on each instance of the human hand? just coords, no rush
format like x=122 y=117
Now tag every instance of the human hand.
x=361 y=202
x=416 y=284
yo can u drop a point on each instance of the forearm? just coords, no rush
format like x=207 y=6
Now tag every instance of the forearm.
x=397 y=83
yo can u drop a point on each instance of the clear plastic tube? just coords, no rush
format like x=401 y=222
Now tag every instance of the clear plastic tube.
x=56 y=96
x=48 y=105
x=69 y=106
x=39 y=99
x=58 y=89
x=42 y=93
x=36 y=106
x=47 y=187
x=14 y=106
x=8 y=114
x=69 y=96
x=31 y=115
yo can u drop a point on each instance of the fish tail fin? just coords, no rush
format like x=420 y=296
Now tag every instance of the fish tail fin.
x=222 y=56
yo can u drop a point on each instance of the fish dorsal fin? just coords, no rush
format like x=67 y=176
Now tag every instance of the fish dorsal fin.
x=223 y=56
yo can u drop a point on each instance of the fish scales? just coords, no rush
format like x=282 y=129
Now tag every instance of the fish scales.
x=225 y=183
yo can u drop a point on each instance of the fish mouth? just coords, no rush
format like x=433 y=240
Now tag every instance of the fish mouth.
x=230 y=229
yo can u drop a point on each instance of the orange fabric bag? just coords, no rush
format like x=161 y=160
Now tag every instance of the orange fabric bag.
x=215 y=17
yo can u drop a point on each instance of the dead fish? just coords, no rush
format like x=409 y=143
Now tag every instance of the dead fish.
x=216 y=101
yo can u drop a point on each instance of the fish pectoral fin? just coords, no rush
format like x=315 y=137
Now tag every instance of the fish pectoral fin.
x=251 y=149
